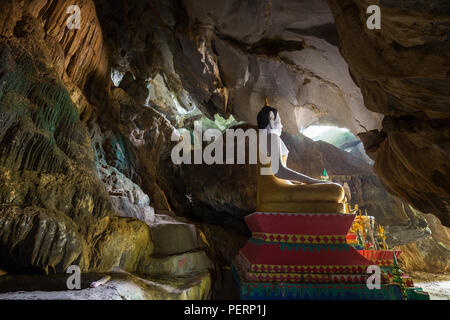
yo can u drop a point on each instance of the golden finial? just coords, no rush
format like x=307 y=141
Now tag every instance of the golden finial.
x=267 y=102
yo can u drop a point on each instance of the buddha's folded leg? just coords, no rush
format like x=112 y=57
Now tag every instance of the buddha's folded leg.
x=315 y=193
x=301 y=207
x=279 y=191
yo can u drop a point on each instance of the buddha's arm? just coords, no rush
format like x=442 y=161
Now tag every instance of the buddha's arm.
x=289 y=174
x=283 y=171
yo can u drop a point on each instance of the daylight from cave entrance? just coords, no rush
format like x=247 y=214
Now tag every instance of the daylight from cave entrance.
x=224 y=150
x=315 y=131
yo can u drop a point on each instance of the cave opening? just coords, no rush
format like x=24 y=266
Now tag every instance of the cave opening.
x=341 y=138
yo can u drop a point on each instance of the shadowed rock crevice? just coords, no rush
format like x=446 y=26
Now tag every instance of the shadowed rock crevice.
x=400 y=70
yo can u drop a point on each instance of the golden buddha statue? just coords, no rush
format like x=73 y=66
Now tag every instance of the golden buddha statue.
x=281 y=189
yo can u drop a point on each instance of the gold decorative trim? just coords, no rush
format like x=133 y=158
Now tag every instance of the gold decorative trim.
x=320 y=269
x=298 y=277
x=299 y=238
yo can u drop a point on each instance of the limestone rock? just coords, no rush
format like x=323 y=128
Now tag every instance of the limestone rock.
x=429 y=254
x=55 y=210
x=46 y=159
x=122 y=286
x=135 y=88
x=173 y=237
x=35 y=239
x=438 y=231
x=425 y=255
x=399 y=69
x=178 y=265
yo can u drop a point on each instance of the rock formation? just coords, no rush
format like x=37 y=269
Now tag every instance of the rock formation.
x=68 y=173
x=85 y=171
x=402 y=70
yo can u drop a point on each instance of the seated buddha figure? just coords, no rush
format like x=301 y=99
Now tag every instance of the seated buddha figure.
x=281 y=189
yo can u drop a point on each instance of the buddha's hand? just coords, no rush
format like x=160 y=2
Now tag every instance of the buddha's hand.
x=330 y=182
x=323 y=182
x=317 y=181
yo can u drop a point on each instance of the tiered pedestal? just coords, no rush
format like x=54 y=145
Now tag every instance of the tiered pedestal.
x=304 y=256
x=385 y=260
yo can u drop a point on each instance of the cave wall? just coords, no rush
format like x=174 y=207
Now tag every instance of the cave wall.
x=54 y=210
x=402 y=70
x=74 y=155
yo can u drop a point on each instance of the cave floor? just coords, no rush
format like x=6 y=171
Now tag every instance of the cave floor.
x=122 y=286
x=126 y=286
x=437 y=285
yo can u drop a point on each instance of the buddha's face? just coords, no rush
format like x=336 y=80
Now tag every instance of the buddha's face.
x=275 y=123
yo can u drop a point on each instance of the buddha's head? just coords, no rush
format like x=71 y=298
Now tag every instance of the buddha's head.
x=269 y=116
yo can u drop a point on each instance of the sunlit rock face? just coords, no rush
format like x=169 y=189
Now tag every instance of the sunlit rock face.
x=402 y=71
x=430 y=253
x=226 y=56
x=285 y=51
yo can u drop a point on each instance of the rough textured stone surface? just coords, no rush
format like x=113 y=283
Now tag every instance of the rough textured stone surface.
x=46 y=157
x=122 y=286
x=438 y=231
x=432 y=253
x=402 y=70
x=283 y=50
x=425 y=255
x=69 y=192
x=34 y=238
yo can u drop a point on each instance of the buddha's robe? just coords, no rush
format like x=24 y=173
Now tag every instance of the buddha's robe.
x=278 y=195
